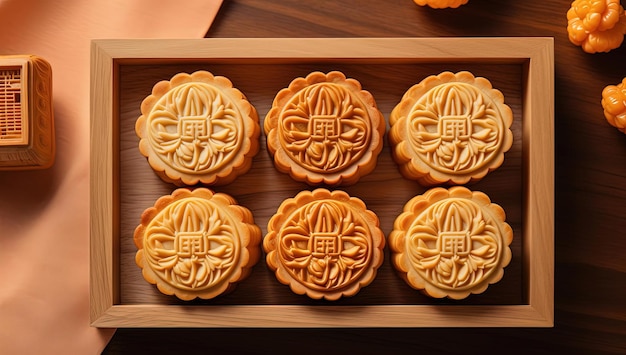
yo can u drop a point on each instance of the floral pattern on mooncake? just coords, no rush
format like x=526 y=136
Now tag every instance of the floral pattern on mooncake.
x=324 y=244
x=451 y=242
x=324 y=129
x=198 y=129
x=196 y=243
x=450 y=129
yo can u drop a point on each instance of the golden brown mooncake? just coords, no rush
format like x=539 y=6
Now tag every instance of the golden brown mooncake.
x=324 y=129
x=198 y=129
x=451 y=242
x=324 y=244
x=450 y=129
x=196 y=243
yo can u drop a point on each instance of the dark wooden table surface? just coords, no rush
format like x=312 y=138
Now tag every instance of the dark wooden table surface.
x=590 y=185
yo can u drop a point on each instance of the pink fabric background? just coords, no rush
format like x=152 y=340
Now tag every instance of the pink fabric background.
x=44 y=215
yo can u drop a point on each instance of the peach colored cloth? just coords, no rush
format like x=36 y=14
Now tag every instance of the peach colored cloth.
x=44 y=215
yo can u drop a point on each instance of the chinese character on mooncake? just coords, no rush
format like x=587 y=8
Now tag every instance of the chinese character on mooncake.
x=196 y=243
x=451 y=242
x=450 y=129
x=198 y=129
x=324 y=129
x=324 y=244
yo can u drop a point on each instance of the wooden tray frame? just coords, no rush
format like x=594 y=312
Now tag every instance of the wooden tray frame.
x=535 y=54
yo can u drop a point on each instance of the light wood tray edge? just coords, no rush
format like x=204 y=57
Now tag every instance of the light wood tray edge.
x=537 y=56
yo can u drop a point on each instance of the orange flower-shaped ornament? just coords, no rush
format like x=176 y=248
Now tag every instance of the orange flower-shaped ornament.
x=596 y=25
x=324 y=244
x=614 y=105
x=198 y=129
x=450 y=129
x=196 y=243
x=441 y=4
x=451 y=243
x=324 y=129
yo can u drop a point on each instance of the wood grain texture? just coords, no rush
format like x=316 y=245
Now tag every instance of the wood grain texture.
x=104 y=221
x=590 y=161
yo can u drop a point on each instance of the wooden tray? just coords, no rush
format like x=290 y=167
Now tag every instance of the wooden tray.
x=123 y=185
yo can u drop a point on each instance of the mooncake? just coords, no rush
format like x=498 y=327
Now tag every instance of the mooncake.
x=198 y=129
x=450 y=129
x=324 y=129
x=451 y=242
x=324 y=244
x=196 y=243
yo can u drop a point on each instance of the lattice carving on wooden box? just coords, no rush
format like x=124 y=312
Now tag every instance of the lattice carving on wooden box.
x=26 y=113
x=11 y=117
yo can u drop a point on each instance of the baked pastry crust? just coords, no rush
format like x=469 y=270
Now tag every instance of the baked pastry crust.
x=324 y=129
x=196 y=243
x=450 y=129
x=324 y=244
x=451 y=242
x=198 y=129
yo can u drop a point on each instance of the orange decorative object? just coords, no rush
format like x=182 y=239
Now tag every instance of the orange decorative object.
x=441 y=4
x=196 y=243
x=324 y=129
x=324 y=244
x=614 y=104
x=198 y=129
x=596 y=25
x=451 y=243
x=27 y=139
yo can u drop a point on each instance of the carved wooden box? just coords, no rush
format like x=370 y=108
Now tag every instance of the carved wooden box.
x=26 y=115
